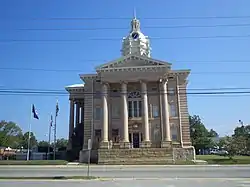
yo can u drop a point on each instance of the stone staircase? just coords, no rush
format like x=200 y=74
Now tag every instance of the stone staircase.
x=135 y=156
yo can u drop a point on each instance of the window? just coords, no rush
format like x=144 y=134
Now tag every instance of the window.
x=97 y=113
x=135 y=94
x=115 y=111
x=172 y=110
x=155 y=110
x=134 y=108
x=174 y=132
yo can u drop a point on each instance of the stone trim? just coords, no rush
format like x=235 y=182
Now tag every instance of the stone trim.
x=124 y=59
x=134 y=69
x=75 y=90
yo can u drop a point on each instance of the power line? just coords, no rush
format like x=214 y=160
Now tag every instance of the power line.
x=72 y=70
x=140 y=18
x=125 y=28
x=197 y=62
x=196 y=96
x=117 y=93
x=118 y=39
x=35 y=40
x=61 y=90
x=180 y=37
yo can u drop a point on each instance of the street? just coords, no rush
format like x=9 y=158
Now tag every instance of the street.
x=131 y=182
x=146 y=176
x=129 y=171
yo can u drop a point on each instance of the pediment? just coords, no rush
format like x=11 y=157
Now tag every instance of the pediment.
x=132 y=61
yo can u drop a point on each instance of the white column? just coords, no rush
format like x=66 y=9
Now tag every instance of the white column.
x=71 y=123
x=105 y=112
x=179 y=109
x=145 y=111
x=165 y=112
x=124 y=106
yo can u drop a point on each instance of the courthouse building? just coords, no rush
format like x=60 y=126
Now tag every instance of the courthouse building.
x=134 y=109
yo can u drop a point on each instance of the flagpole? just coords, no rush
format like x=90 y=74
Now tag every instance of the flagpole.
x=49 y=138
x=28 y=151
x=54 y=156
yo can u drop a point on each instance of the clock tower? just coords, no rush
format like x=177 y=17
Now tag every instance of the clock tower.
x=136 y=42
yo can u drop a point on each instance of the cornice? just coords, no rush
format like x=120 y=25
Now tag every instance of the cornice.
x=153 y=68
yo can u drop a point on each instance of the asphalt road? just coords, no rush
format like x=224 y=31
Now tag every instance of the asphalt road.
x=136 y=183
x=123 y=172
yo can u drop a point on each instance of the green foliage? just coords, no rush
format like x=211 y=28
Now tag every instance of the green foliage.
x=61 y=143
x=24 y=140
x=201 y=138
x=239 y=143
x=10 y=134
x=43 y=143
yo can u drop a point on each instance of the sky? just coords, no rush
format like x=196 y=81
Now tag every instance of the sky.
x=49 y=36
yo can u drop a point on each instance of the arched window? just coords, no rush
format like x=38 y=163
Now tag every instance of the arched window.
x=135 y=94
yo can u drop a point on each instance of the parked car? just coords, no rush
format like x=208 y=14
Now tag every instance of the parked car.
x=219 y=152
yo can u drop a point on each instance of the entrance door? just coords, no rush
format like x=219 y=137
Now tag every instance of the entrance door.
x=136 y=140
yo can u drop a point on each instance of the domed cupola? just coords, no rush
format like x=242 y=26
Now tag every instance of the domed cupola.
x=136 y=42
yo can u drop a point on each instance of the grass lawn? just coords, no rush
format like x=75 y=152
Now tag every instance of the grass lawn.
x=215 y=159
x=33 y=162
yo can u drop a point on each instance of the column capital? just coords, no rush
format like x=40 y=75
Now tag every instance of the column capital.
x=104 y=88
x=123 y=82
x=105 y=83
x=142 y=81
x=124 y=88
x=76 y=101
x=163 y=80
x=143 y=87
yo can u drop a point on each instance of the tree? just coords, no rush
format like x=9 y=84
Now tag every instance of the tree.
x=241 y=139
x=10 y=134
x=212 y=133
x=43 y=143
x=33 y=140
x=201 y=138
x=222 y=142
x=60 y=143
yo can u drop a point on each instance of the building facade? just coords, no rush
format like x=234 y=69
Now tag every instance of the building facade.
x=135 y=102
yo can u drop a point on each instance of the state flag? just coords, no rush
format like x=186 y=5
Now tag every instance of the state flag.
x=35 y=115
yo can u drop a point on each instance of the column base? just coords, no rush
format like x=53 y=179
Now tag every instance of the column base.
x=145 y=144
x=166 y=144
x=124 y=145
x=104 y=145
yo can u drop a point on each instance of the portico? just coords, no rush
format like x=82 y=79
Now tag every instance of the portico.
x=138 y=114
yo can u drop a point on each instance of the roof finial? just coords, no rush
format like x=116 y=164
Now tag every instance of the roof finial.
x=134 y=13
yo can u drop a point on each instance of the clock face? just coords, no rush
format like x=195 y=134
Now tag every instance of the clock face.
x=135 y=35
